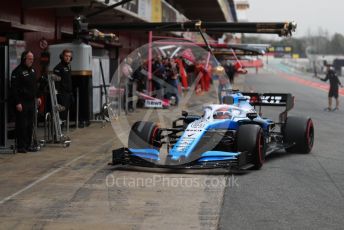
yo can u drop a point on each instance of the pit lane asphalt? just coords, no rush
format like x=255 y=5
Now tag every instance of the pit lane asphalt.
x=293 y=191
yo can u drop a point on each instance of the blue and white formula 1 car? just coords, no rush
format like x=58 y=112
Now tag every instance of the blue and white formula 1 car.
x=228 y=135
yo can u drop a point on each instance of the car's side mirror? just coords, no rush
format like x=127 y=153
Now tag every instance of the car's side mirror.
x=191 y=118
x=184 y=113
x=251 y=116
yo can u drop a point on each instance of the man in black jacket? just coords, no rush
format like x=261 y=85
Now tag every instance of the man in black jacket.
x=24 y=93
x=64 y=86
x=333 y=91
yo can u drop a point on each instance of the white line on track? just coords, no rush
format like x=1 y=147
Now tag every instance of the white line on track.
x=46 y=176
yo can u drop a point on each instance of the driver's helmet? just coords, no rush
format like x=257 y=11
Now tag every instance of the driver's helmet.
x=222 y=113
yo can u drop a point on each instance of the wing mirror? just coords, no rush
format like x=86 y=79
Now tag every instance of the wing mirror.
x=251 y=116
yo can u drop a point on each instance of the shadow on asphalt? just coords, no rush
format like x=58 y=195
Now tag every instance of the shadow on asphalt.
x=280 y=155
x=214 y=171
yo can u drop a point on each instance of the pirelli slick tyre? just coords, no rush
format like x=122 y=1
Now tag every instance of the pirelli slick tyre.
x=144 y=134
x=299 y=134
x=250 y=138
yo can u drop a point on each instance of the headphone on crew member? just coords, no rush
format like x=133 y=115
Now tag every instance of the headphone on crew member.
x=66 y=51
x=23 y=56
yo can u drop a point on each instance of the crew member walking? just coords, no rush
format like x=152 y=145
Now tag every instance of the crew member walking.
x=334 y=89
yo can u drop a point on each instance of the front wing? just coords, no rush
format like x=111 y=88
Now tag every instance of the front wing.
x=208 y=160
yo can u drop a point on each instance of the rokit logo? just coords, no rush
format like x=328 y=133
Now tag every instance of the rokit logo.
x=265 y=99
x=271 y=99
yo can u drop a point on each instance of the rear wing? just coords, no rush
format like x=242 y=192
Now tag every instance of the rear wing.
x=272 y=99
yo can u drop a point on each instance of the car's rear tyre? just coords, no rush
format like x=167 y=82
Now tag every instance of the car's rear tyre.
x=250 y=138
x=144 y=134
x=299 y=134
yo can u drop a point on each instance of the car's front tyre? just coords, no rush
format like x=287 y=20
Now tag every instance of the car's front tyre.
x=144 y=134
x=250 y=138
